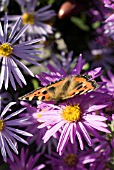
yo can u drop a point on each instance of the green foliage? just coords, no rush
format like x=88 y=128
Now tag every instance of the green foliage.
x=96 y=24
x=79 y=22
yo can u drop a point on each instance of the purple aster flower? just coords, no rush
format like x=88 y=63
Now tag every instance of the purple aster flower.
x=109 y=86
x=109 y=29
x=97 y=11
x=25 y=161
x=35 y=113
x=108 y=26
x=75 y=118
x=98 y=56
x=64 y=62
x=104 y=41
x=101 y=161
x=36 y=18
x=109 y=82
x=109 y=3
x=10 y=53
x=9 y=134
x=103 y=153
x=59 y=73
x=84 y=107
x=70 y=160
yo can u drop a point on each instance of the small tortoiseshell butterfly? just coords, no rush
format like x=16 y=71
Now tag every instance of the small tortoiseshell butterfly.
x=63 y=89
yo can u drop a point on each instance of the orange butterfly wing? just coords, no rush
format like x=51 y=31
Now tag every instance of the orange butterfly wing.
x=63 y=89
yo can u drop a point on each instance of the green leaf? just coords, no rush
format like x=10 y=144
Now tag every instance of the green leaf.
x=86 y=66
x=96 y=25
x=80 y=23
x=35 y=83
x=112 y=126
x=51 y=1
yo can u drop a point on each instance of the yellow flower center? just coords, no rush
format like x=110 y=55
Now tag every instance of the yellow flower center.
x=1 y=125
x=70 y=160
x=39 y=115
x=71 y=113
x=28 y=18
x=5 y=50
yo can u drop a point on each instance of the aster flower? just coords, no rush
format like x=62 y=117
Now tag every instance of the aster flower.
x=97 y=55
x=10 y=53
x=109 y=29
x=104 y=41
x=36 y=18
x=9 y=135
x=25 y=161
x=70 y=160
x=59 y=73
x=109 y=3
x=109 y=86
x=55 y=74
x=109 y=82
x=103 y=154
x=35 y=113
x=108 y=26
x=75 y=118
x=64 y=62
x=97 y=12
x=82 y=107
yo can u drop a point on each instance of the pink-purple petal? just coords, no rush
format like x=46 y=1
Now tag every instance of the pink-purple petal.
x=29 y=42
x=2 y=72
x=20 y=131
x=10 y=142
x=97 y=107
x=16 y=70
x=1 y=34
x=52 y=131
x=18 y=137
x=5 y=27
x=94 y=118
x=6 y=76
x=85 y=133
x=3 y=151
x=100 y=128
x=79 y=138
x=72 y=133
x=14 y=30
x=63 y=140
x=6 y=109
x=8 y=150
x=14 y=114
x=20 y=33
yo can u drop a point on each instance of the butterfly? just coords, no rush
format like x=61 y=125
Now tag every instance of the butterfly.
x=63 y=89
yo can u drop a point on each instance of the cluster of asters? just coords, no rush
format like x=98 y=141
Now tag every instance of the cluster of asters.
x=73 y=134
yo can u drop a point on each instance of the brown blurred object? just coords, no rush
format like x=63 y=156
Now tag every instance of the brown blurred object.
x=69 y=8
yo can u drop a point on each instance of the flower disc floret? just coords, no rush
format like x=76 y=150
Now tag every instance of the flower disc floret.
x=1 y=125
x=28 y=18
x=97 y=57
x=5 y=50
x=70 y=160
x=71 y=113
